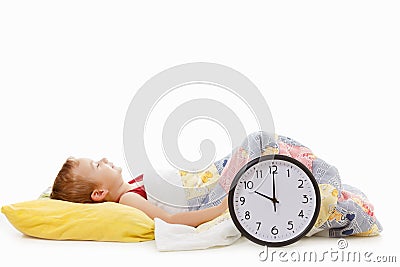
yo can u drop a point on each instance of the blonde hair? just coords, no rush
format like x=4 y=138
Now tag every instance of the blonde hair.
x=71 y=187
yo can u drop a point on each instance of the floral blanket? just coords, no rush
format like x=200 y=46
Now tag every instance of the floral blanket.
x=345 y=210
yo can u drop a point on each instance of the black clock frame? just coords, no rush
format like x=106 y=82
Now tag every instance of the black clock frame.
x=248 y=166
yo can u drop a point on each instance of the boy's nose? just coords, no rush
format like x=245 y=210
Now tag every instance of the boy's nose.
x=105 y=160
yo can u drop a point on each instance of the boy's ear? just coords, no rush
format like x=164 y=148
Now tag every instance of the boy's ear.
x=99 y=195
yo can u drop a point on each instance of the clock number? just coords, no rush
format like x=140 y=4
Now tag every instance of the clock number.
x=274 y=230
x=290 y=223
x=305 y=199
x=301 y=214
x=247 y=215
x=275 y=169
x=242 y=200
x=259 y=224
x=259 y=173
x=248 y=185
x=301 y=184
x=288 y=173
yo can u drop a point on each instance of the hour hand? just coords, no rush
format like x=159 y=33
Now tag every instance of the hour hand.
x=270 y=198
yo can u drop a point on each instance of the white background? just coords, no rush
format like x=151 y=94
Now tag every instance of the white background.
x=68 y=71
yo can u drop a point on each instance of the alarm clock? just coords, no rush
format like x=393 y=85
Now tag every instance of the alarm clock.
x=274 y=200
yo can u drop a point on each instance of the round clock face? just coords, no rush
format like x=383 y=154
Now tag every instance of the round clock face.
x=274 y=200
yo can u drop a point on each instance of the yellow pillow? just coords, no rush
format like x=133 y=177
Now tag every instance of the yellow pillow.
x=62 y=220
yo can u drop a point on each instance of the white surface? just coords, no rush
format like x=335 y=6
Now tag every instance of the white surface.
x=68 y=72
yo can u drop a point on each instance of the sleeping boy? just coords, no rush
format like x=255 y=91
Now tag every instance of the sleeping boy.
x=345 y=210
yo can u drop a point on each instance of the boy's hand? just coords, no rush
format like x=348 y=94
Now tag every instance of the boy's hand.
x=224 y=204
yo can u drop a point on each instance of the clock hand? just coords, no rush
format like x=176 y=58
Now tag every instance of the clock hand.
x=270 y=198
x=274 y=200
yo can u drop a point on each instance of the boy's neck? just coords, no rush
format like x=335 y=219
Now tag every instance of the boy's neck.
x=123 y=188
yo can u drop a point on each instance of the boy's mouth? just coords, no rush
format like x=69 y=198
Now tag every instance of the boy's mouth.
x=112 y=166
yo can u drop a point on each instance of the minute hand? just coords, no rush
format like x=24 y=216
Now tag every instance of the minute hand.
x=274 y=200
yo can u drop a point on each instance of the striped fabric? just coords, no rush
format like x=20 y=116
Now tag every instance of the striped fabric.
x=139 y=189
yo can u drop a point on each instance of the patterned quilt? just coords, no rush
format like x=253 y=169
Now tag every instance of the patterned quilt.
x=345 y=210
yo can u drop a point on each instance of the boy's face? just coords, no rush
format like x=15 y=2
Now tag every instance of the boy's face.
x=102 y=172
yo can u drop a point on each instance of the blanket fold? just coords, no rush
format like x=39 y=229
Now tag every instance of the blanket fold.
x=219 y=232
